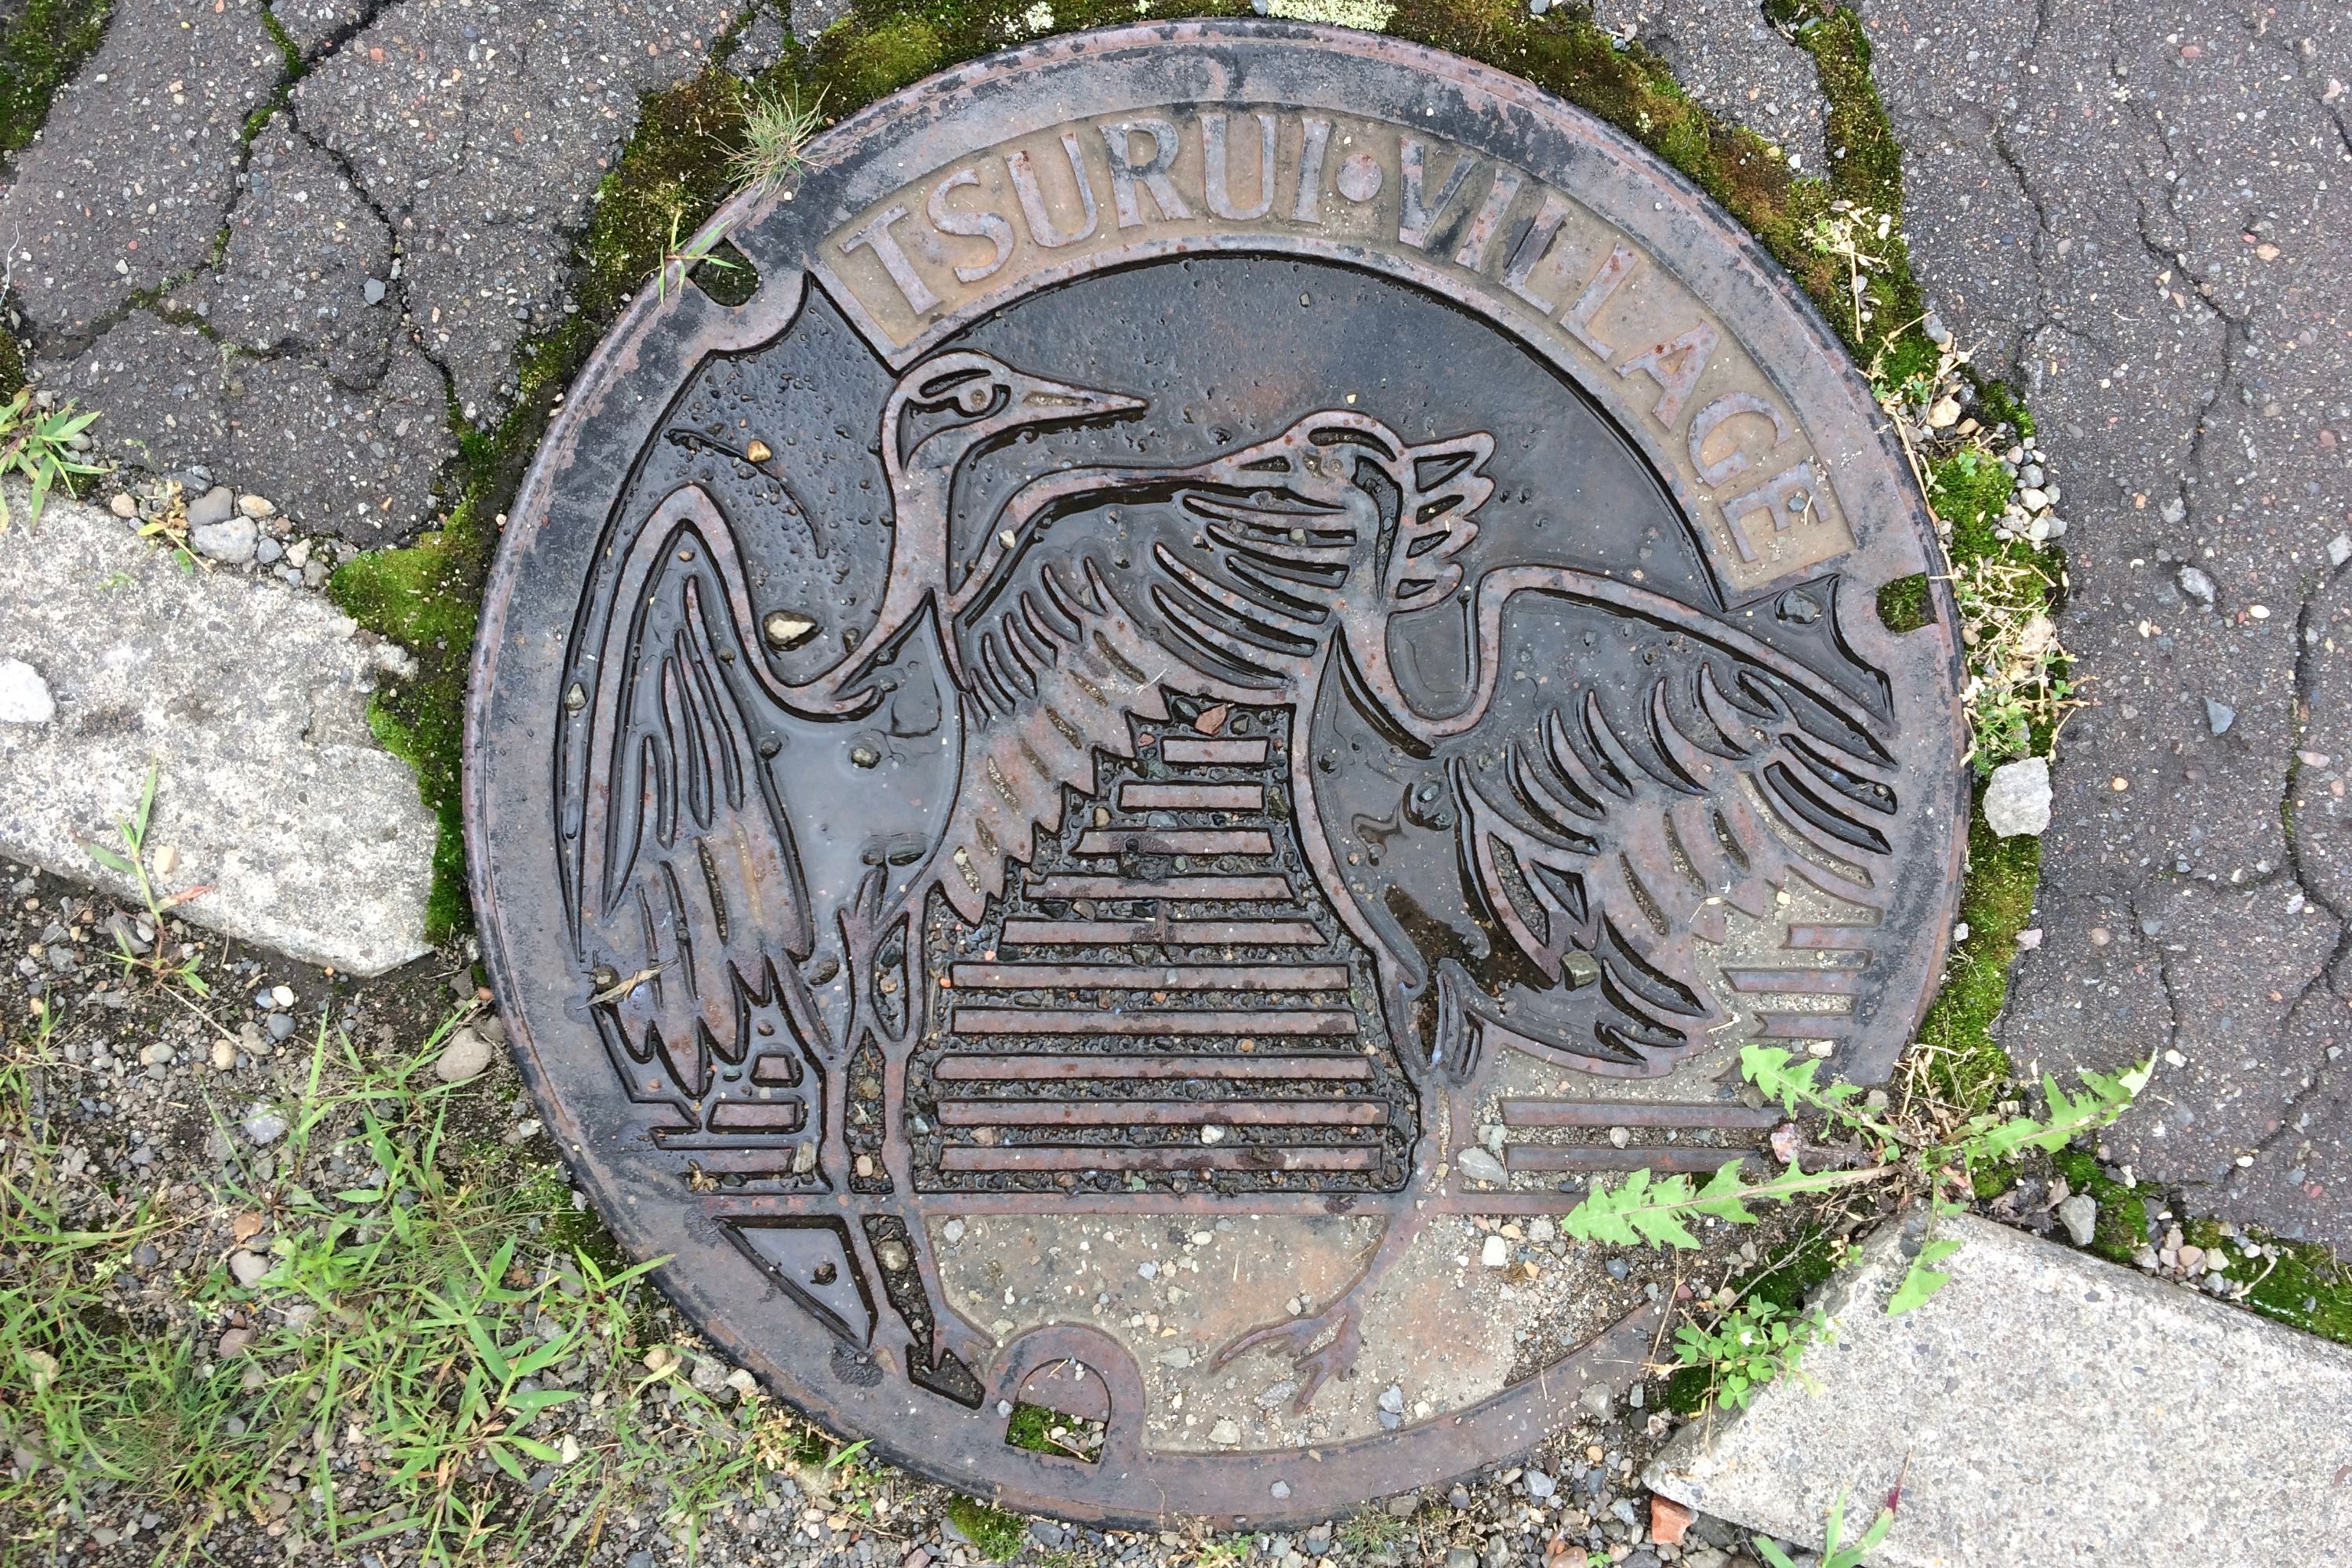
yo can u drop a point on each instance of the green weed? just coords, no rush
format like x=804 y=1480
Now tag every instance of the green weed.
x=37 y=446
x=1836 y=1552
x=425 y=1358
x=1747 y=1348
x=148 y=950
x=777 y=129
x=1922 y=1161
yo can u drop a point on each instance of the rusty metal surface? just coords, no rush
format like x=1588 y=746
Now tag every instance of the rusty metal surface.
x=1244 y=611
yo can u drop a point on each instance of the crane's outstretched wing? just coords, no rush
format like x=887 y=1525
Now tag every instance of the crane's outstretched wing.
x=1630 y=841
x=689 y=904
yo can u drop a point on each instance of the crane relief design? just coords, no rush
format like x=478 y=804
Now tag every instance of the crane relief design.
x=1138 y=955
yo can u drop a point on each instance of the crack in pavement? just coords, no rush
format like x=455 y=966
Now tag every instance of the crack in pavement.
x=2147 y=210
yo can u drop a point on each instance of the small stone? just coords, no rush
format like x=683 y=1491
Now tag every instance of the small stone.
x=1280 y=1489
x=742 y=1381
x=24 y=695
x=708 y=1374
x=234 y=1342
x=1460 y=1557
x=568 y=1451
x=372 y=290
x=2080 y=1216
x=952 y=1231
x=2339 y=549
x=1177 y=1358
x=465 y=1054
x=232 y=542
x=216 y=505
x=759 y=451
x=1540 y=1229
x=1597 y=1400
x=156 y=1056
x=2313 y=758
x=1945 y=414
x=257 y=507
x=123 y=504
x=1393 y=1399
x=660 y=1358
x=1668 y=1520
x=1226 y=1433
x=2017 y=798
x=1496 y=1253
x=2220 y=716
x=247 y=1267
x=1539 y=1485
x=263 y=1126
x=1405 y=1505
x=2196 y=584
x=1479 y=1165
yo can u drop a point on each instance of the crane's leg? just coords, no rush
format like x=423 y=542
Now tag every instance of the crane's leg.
x=865 y=929
x=1324 y=1346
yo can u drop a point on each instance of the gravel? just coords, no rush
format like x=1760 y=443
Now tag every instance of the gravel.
x=2017 y=797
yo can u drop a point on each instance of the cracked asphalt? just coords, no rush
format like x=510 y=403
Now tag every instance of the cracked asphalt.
x=2139 y=212
x=293 y=303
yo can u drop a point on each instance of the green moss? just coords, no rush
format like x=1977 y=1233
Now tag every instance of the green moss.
x=1968 y=489
x=2306 y=1286
x=2001 y=406
x=1965 y=1064
x=1028 y=1426
x=1903 y=605
x=996 y=1534
x=2122 y=1227
x=40 y=53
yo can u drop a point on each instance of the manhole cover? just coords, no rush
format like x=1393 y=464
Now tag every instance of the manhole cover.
x=1255 y=654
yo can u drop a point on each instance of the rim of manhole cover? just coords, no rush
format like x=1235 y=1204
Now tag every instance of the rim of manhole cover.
x=1258 y=646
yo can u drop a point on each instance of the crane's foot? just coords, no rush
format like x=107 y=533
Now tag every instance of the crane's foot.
x=951 y=1335
x=1321 y=1347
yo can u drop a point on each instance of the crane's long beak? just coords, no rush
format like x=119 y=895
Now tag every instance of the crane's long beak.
x=1044 y=402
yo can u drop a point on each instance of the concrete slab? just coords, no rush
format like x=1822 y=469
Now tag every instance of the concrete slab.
x=2050 y=1409
x=249 y=700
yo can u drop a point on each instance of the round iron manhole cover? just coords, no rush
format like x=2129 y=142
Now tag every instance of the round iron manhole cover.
x=1255 y=654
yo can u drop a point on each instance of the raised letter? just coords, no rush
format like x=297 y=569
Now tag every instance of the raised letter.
x=1676 y=366
x=1499 y=197
x=1414 y=223
x=1605 y=282
x=1787 y=496
x=1124 y=171
x=1314 y=141
x=987 y=225
x=1729 y=405
x=1033 y=200
x=876 y=236
x=1218 y=179
x=1533 y=247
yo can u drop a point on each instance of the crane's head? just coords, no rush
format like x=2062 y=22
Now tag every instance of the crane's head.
x=1336 y=525
x=954 y=405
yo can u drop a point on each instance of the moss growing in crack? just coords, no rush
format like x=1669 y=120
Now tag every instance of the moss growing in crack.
x=2122 y=1227
x=994 y=1533
x=1963 y=1064
x=2305 y=1286
x=39 y=52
